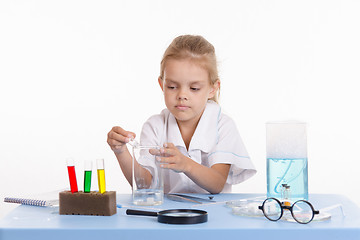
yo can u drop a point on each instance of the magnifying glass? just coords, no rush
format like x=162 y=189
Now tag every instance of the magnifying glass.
x=174 y=216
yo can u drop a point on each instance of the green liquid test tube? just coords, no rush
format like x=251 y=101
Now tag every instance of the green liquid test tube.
x=87 y=176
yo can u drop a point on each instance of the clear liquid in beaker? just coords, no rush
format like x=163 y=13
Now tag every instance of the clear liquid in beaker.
x=145 y=192
x=290 y=171
x=148 y=197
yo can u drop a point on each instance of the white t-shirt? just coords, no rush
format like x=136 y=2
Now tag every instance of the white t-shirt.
x=215 y=140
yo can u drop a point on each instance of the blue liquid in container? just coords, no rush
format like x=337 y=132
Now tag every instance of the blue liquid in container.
x=290 y=171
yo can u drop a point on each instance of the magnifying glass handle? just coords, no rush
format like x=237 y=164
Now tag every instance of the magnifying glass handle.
x=142 y=213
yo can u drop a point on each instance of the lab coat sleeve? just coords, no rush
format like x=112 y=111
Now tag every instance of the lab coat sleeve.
x=230 y=149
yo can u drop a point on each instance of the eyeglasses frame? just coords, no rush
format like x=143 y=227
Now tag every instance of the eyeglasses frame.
x=290 y=208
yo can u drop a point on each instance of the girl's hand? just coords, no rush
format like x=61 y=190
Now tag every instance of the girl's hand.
x=172 y=158
x=117 y=139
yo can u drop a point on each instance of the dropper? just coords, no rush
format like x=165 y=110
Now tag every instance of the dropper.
x=135 y=144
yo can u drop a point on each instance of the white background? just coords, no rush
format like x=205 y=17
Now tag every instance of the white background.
x=70 y=70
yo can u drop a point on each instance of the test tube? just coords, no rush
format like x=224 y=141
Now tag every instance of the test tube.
x=72 y=175
x=87 y=176
x=101 y=175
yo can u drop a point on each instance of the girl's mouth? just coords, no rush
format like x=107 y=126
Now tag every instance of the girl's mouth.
x=182 y=107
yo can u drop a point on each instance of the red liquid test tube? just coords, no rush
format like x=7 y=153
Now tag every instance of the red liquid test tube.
x=72 y=175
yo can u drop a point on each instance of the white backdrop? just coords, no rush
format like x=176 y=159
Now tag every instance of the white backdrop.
x=70 y=70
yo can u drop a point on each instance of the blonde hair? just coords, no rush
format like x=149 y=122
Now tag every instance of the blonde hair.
x=195 y=48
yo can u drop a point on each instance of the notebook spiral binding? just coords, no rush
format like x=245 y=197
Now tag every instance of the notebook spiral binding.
x=33 y=202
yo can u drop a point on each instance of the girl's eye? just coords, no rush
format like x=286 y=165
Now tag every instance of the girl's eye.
x=171 y=87
x=195 y=89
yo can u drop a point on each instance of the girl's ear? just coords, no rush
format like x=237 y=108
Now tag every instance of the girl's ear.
x=161 y=83
x=214 y=88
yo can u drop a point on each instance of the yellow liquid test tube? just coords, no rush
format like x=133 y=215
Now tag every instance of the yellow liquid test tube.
x=101 y=175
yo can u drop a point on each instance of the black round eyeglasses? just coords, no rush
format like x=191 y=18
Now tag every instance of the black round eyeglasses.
x=302 y=211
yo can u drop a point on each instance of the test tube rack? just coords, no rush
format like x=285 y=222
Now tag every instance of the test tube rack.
x=92 y=203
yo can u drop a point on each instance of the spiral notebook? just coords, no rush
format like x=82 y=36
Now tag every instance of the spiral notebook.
x=50 y=199
x=33 y=202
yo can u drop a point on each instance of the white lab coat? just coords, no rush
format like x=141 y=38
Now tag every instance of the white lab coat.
x=215 y=140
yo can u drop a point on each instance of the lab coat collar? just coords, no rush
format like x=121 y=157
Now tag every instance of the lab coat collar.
x=206 y=133
x=174 y=135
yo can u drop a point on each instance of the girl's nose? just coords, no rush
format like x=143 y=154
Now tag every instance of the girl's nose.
x=182 y=95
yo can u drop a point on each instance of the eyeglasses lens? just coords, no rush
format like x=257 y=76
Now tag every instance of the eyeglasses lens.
x=272 y=209
x=302 y=212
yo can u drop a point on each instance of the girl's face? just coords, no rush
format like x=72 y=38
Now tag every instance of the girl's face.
x=186 y=88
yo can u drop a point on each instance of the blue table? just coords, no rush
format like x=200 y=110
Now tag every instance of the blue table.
x=28 y=222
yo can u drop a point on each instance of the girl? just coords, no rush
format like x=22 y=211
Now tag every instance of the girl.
x=200 y=144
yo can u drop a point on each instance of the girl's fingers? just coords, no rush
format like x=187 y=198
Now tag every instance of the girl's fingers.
x=170 y=166
x=119 y=130
x=120 y=135
x=123 y=132
x=169 y=149
x=156 y=152
x=169 y=145
x=116 y=138
x=167 y=166
x=166 y=152
x=164 y=159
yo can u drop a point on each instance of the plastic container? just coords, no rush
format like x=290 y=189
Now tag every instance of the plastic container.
x=287 y=162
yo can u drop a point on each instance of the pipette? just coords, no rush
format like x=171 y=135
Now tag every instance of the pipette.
x=134 y=143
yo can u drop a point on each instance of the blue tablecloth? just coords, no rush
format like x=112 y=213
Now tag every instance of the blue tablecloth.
x=30 y=222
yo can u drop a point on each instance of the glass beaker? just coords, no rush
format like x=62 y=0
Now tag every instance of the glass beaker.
x=287 y=162
x=147 y=176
